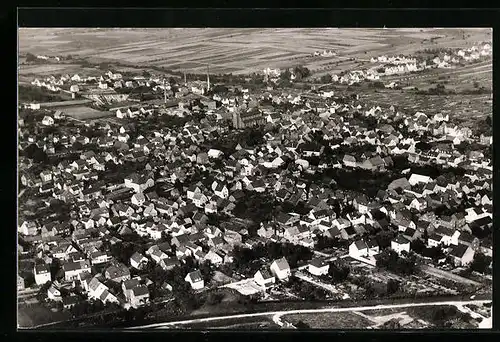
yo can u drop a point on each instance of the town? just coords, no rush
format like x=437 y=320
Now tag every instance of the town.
x=146 y=198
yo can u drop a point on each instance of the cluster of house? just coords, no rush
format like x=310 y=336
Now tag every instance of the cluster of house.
x=109 y=83
x=473 y=53
x=48 y=58
x=398 y=65
x=394 y=59
x=106 y=210
x=325 y=53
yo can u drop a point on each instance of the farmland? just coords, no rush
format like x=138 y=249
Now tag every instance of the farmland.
x=237 y=51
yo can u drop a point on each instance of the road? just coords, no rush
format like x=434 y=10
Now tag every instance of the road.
x=166 y=325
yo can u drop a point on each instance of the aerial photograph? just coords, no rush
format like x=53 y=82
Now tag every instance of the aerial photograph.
x=254 y=178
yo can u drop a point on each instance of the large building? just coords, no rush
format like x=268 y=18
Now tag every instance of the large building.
x=248 y=118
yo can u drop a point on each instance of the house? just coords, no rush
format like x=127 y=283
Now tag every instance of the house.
x=374 y=163
x=416 y=179
x=166 y=262
x=20 y=283
x=139 y=296
x=400 y=183
x=318 y=267
x=400 y=244
x=117 y=272
x=220 y=189
x=214 y=258
x=264 y=278
x=373 y=247
x=434 y=240
x=97 y=290
x=48 y=121
x=195 y=279
x=70 y=301
x=280 y=269
x=73 y=269
x=99 y=257
x=28 y=228
x=138 y=199
x=42 y=274
x=138 y=261
x=53 y=293
x=448 y=236
x=358 y=249
x=213 y=153
x=349 y=161
x=462 y=255
x=468 y=239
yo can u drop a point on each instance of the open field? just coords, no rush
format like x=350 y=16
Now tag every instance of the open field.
x=56 y=69
x=248 y=323
x=86 y=113
x=330 y=320
x=36 y=314
x=236 y=50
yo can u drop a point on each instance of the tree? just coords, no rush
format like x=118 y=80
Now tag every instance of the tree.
x=338 y=272
x=77 y=146
x=207 y=271
x=42 y=292
x=392 y=324
x=488 y=120
x=286 y=75
x=417 y=246
x=301 y=72
x=301 y=325
x=384 y=238
x=146 y=74
x=326 y=78
x=30 y=57
x=481 y=263
x=392 y=286
x=39 y=156
x=215 y=298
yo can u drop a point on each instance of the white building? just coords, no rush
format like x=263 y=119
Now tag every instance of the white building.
x=264 y=278
x=400 y=245
x=42 y=274
x=318 y=267
x=280 y=269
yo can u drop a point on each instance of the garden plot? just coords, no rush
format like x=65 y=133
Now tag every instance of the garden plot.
x=245 y=287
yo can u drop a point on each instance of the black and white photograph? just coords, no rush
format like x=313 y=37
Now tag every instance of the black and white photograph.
x=254 y=178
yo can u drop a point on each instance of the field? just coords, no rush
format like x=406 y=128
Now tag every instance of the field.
x=85 y=113
x=32 y=315
x=238 y=50
x=330 y=320
x=237 y=323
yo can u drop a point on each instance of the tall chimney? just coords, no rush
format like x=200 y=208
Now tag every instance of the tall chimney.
x=208 y=77
x=185 y=81
x=164 y=92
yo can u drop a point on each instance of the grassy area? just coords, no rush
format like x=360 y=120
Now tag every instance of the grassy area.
x=237 y=323
x=330 y=320
x=32 y=315
x=442 y=316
